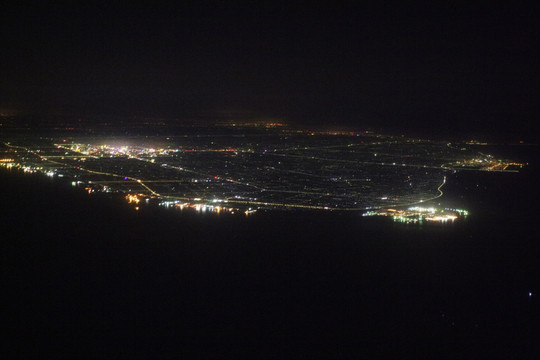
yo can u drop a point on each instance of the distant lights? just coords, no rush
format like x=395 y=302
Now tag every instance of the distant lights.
x=132 y=199
x=422 y=209
x=204 y=208
x=417 y=214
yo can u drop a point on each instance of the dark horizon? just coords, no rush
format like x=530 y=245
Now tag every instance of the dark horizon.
x=433 y=69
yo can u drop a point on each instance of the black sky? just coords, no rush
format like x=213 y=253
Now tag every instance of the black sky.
x=447 y=68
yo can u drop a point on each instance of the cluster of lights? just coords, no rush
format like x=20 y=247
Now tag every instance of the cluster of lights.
x=8 y=163
x=459 y=211
x=441 y=218
x=417 y=214
x=131 y=151
x=406 y=219
x=133 y=199
x=430 y=210
x=489 y=164
x=205 y=208
x=28 y=169
x=115 y=150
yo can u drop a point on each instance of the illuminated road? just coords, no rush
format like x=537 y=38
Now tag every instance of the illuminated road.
x=139 y=181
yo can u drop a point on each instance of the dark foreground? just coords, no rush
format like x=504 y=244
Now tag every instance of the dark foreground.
x=88 y=278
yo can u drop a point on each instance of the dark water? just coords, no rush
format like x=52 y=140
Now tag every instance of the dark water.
x=87 y=277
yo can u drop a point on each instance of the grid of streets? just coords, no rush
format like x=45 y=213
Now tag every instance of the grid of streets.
x=261 y=168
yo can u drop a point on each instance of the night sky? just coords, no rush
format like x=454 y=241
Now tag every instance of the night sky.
x=456 y=69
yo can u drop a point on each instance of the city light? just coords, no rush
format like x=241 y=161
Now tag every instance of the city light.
x=353 y=171
x=417 y=214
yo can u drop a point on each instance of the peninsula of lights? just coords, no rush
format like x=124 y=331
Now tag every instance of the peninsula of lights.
x=417 y=214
